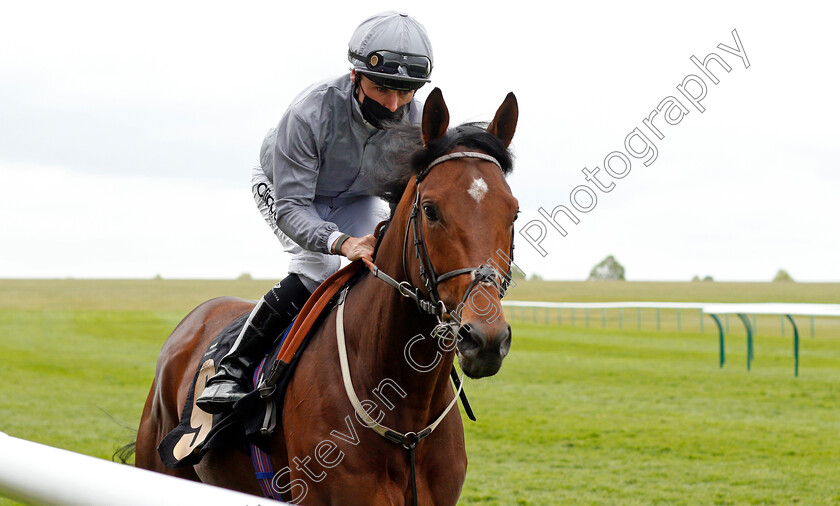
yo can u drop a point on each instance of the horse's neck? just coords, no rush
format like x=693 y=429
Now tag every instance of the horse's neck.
x=382 y=325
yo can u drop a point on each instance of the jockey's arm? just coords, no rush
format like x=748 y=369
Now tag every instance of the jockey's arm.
x=295 y=167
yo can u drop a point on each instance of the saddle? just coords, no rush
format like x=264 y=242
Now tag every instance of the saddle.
x=254 y=417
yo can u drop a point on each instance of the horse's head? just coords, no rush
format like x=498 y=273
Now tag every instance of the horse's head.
x=459 y=238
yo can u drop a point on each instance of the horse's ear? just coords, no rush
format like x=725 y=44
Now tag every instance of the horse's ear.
x=435 y=117
x=504 y=124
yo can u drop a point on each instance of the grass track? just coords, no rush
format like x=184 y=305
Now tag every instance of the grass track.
x=576 y=416
x=594 y=416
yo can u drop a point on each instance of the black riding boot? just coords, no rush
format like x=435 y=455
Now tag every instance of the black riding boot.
x=267 y=321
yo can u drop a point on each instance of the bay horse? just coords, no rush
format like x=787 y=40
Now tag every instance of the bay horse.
x=454 y=211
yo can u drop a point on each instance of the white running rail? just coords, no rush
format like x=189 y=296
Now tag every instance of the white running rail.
x=713 y=309
x=37 y=474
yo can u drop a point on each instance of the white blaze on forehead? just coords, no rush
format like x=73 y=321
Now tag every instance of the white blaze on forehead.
x=478 y=189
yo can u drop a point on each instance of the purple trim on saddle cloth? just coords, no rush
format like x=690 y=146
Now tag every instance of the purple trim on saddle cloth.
x=262 y=464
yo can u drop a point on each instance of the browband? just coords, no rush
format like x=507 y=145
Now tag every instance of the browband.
x=463 y=154
x=457 y=154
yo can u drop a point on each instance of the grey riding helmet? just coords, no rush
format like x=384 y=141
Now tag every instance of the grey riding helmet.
x=393 y=50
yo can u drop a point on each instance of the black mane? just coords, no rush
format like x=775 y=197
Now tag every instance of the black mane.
x=404 y=156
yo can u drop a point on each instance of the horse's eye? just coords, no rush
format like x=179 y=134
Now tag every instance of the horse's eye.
x=516 y=216
x=431 y=212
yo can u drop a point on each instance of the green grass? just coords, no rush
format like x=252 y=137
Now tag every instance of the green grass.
x=595 y=416
x=577 y=415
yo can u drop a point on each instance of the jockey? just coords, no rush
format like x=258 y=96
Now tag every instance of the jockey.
x=311 y=185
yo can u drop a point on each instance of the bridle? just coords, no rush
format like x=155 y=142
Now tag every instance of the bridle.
x=431 y=304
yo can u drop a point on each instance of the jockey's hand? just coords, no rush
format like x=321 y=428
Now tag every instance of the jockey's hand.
x=355 y=248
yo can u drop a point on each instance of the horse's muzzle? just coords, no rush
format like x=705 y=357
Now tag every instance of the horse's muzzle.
x=481 y=355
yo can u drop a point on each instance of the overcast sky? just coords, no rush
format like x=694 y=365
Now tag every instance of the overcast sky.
x=129 y=130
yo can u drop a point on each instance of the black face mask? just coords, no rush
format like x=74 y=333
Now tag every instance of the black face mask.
x=378 y=115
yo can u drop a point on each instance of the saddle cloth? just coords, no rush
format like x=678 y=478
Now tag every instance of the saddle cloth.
x=199 y=431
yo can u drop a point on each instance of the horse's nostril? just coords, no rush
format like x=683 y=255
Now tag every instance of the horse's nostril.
x=504 y=343
x=468 y=342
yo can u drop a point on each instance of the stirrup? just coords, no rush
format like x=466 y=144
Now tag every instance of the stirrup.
x=220 y=396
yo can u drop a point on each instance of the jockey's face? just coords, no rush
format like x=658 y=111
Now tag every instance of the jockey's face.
x=386 y=97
